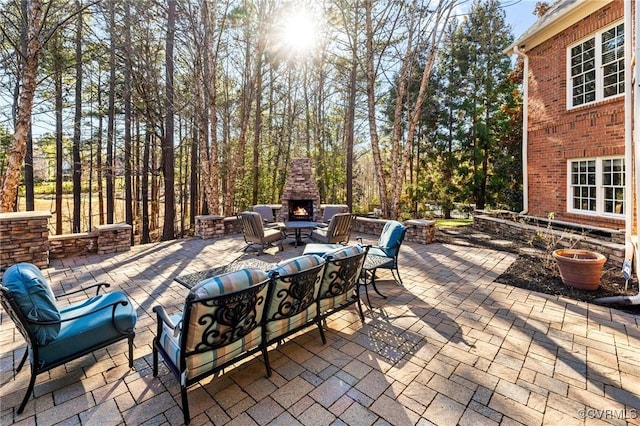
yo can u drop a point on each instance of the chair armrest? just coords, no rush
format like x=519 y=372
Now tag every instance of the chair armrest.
x=98 y=285
x=322 y=225
x=86 y=314
x=163 y=316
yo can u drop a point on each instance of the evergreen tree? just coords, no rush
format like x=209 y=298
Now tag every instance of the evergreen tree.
x=481 y=39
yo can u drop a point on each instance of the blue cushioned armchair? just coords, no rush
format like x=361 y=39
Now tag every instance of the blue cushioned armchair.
x=57 y=335
x=388 y=246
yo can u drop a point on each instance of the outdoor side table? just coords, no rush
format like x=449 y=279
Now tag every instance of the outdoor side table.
x=189 y=280
x=368 y=277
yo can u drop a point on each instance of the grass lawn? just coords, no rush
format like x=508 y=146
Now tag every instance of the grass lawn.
x=452 y=223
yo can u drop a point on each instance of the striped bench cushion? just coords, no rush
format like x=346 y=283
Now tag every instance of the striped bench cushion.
x=296 y=264
x=283 y=296
x=334 y=291
x=203 y=362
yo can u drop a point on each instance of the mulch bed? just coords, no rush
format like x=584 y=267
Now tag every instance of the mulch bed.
x=530 y=271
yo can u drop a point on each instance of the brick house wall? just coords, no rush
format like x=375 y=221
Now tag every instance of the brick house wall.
x=556 y=134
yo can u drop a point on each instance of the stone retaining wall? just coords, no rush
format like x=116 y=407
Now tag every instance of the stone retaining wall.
x=418 y=230
x=209 y=226
x=67 y=245
x=545 y=238
x=24 y=236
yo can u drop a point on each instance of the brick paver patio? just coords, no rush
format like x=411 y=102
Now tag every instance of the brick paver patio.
x=449 y=347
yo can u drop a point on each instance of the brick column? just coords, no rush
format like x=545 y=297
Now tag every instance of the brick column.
x=113 y=238
x=420 y=231
x=209 y=226
x=24 y=237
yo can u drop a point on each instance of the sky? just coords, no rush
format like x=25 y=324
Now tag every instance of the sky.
x=520 y=14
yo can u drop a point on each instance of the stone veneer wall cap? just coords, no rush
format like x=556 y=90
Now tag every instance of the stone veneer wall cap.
x=61 y=237
x=24 y=215
x=112 y=226
x=209 y=216
x=419 y=222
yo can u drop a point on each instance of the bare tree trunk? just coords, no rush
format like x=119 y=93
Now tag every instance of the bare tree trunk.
x=442 y=15
x=28 y=160
x=350 y=126
x=155 y=202
x=144 y=232
x=237 y=158
x=16 y=153
x=257 y=131
x=128 y=184
x=206 y=111
x=168 y=163
x=109 y=175
x=99 y=156
x=77 y=122
x=193 y=181
x=57 y=77
x=371 y=104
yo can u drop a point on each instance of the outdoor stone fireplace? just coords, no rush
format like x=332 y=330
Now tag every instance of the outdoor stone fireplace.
x=300 y=197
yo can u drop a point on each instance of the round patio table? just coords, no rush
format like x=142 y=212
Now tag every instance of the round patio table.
x=297 y=226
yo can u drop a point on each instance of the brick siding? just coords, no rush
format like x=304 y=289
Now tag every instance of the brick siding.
x=556 y=134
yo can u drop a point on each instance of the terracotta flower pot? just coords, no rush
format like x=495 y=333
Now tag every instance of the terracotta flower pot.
x=581 y=269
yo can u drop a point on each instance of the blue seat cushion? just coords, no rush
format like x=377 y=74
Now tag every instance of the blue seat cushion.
x=33 y=295
x=391 y=237
x=375 y=251
x=91 y=330
x=321 y=249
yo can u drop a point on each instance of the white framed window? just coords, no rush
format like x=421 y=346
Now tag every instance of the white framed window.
x=596 y=186
x=595 y=67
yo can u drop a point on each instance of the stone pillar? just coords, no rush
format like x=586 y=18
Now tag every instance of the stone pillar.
x=24 y=237
x=209 y=226
x=113 y=238
x=420 y=231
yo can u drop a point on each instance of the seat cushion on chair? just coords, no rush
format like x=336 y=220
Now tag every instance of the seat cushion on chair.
x=228 y=283
x=321 y=249
x=343 y=252
x=319 y=235
x=296 y=264
x=205 y=361
x=91 y=330
x=375 y=251
x=271 y=235
x=33 y=295
x=334 y=291
x=390 y=238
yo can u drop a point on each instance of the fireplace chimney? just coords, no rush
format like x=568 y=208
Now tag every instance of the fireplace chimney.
x=300 y=188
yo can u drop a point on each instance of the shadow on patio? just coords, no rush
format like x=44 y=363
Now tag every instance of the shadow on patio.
x=450 y=346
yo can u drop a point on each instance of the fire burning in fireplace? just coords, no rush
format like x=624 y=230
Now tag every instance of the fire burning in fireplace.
x=300 y=209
